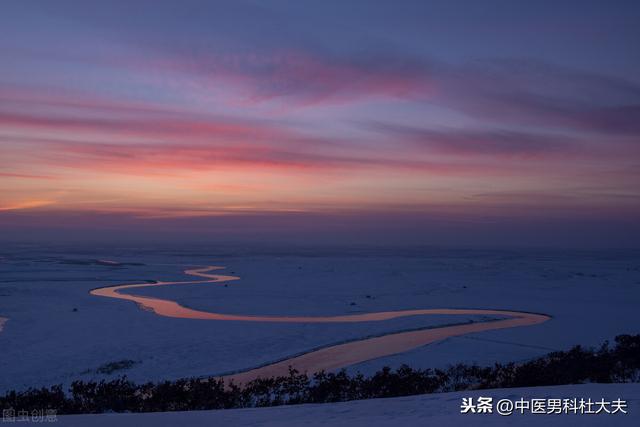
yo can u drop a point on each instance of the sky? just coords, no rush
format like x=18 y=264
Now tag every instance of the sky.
x=423 y=122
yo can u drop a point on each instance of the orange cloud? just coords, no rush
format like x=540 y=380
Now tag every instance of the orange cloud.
x=30 y=204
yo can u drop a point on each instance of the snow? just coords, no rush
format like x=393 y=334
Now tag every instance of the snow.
x=592 y=296
x=425 y=410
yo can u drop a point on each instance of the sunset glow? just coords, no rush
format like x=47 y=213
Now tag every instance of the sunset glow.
x=102 y=112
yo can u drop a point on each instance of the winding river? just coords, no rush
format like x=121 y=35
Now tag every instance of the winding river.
x=332 y=357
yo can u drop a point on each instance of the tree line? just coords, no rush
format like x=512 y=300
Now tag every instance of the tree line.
x=606 y=364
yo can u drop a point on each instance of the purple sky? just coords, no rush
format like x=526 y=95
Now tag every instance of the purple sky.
x=428 y=122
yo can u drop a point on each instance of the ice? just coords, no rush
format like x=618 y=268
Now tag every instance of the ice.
x=57 y=332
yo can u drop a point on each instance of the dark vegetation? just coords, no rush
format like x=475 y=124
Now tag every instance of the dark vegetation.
x=607 y=364
x=109 y=368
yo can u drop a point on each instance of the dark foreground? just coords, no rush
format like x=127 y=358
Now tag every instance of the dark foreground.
x=619 y=363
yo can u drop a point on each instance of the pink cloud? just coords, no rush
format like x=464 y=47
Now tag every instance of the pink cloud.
x=297 y=77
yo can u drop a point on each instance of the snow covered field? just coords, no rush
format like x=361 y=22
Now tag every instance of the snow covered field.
x=57 y=332
x=426 y=410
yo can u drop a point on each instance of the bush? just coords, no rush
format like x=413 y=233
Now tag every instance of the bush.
x=618 y=364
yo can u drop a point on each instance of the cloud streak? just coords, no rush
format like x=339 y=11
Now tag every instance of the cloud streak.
x=494 y=143
x=544 y=95
x=237 y=114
